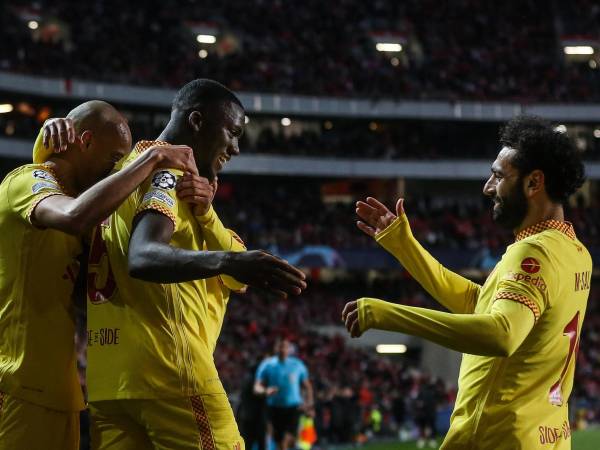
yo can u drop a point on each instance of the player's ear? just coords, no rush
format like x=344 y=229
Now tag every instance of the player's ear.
x=86 y=140
x=195 y=120
x=534 y=183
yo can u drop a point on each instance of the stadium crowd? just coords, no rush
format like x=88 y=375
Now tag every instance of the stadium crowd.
x=358 y=139
x=307 y=219
x=273 y=46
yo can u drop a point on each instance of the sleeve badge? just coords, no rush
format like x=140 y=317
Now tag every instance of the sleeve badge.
x=164 y=180
x=530 y=265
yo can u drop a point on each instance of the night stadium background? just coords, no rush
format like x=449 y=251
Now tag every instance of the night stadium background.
x=343 y=99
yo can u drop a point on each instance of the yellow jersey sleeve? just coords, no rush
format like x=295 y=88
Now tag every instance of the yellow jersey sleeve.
x=497 y=333
x=27 y=189
x=158 y=194
x=219 y=238
x=527 y=276
x=450 y=289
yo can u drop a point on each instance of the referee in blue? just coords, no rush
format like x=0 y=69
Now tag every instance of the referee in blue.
x=283 y=379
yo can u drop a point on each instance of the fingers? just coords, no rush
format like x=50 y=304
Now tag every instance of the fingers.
x=352 y=324
x=287 y=267
x=286 y=281
x=63 y=134
x=54 y=135
x=196 y=190
x=60 y=133
x=269 y=292
x=377 y=205
x=367 y=213
x=400 y=207
x=177 y=157
x=365 y=228
x=208 y=194
x=349 y=307
x=192 y=181
x=46 y=137
x=70 y=130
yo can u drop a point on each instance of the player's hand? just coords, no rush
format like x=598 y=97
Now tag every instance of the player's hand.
x=58 y=132
x=197 y=191
x=265 y=272
x=271 y=390
x=174 y=157
x=375 y=216
x=350 y=319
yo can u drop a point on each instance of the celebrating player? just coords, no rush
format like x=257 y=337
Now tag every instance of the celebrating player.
x=44 y=211
x=520 y=330
x=160 y=276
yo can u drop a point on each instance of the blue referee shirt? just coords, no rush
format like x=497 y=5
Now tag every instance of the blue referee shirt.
x=287 y=376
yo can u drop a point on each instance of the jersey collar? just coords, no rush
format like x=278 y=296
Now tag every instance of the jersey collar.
x=563 y=227
x=142 y=146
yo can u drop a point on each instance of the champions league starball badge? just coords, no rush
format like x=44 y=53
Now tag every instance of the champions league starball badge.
x=42 y=174
x=164 y=180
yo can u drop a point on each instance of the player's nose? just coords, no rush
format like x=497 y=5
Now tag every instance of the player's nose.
x=489 y=188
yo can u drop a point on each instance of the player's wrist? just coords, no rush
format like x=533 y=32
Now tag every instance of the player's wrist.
x=156 y=157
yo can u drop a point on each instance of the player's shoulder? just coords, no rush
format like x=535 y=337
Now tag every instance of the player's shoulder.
x=36 y=177
x=536 y=244
x=31 y=171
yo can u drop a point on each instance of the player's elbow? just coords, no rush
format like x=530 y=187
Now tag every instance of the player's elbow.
x=502 y=346
x=77 y=222
x=140 y=263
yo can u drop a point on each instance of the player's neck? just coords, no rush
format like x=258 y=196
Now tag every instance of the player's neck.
x=541 y=213
x=65 y=171
x=173 y=135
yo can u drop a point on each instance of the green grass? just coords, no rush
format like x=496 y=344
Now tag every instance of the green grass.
x=582 y=440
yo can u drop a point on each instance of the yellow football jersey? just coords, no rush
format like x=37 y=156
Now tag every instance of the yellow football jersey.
x=151 y=340
x=38 y=267
x=518 y=401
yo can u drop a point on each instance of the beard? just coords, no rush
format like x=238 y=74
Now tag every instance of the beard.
x=510 y=210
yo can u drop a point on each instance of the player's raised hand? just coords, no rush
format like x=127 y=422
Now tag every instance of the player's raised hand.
x=265 y=272
x=58 y=132
x=375 y=216
x=174 y=157
x=350 y=318
x=197 y=191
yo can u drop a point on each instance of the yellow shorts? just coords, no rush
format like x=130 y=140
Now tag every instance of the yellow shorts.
x=24 y=425
x=202 y=422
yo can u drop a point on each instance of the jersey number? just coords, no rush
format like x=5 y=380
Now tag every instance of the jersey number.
x=570 y=331
x=101 y=284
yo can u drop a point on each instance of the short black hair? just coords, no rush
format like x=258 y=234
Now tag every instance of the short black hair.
x=540 y=146
x=200 y=92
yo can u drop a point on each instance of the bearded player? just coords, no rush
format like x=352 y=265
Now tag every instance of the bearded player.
x=161 y=270
x=45 y=209
x=519 y=331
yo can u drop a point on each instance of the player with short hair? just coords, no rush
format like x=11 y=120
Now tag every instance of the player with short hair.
x=282 y=378
x=45 y=209
x=160 y=276
x=519 y=331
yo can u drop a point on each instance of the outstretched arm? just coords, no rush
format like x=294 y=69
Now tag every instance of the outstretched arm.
x=393 y=233
x=152 y=258
x=497 y=333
